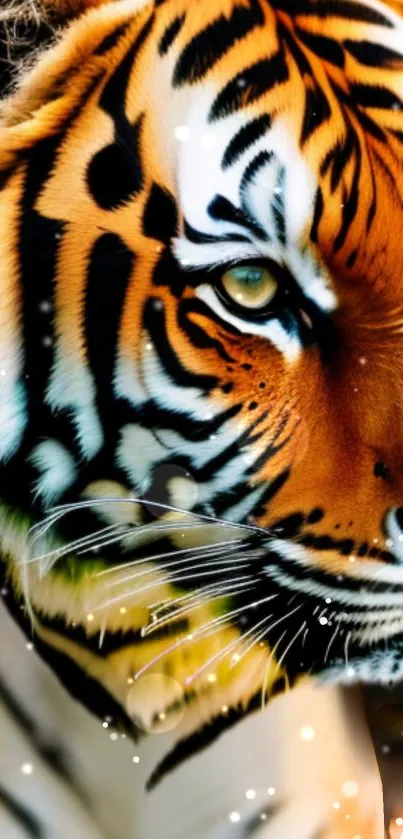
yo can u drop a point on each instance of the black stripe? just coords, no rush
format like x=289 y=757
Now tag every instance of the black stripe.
x=107 y=643
x=317 y=215
x=197 y=431
x=221 y=209
x=371 y=96
x=160 y=215
x=372 y=54
x=271 y=449
x=198 y=741
x=298 y=54
x=327 y=48
x=54 y=756
x=110 y=268
x=247 y=86
x=273 y=488
x=155 y=323
x=350 y=204
x=244 y=138
x=317 y=111
x=339 y=157
x=86 y=689
x=76 y=681
x=29 y=823
x=374 y=202
x=389 y=177
x=113 y=97
x=197 y=335
x=207 y=47
x=346 y=9
x=170 y=34
x=112 y=39
x=115 y=173
x=262 y=159
x=278 y=207
x=209 y=469
x=38 y=248
x=199 y=238
x=370 y=126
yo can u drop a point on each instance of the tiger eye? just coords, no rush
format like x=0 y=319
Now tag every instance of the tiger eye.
x=250 y=286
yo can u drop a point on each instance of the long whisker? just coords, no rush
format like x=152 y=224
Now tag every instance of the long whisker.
x=255 y=639
x=288 y=647
x=267 y=668
x=227 y=591
x=209 y=628
x=157 y=557
x=63 y=509
x=331 y=642
x=211 y=556
x=175 y=577
x=78 y=543
x=58 y=553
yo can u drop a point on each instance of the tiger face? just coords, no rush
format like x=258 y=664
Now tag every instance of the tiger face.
x=202 y=346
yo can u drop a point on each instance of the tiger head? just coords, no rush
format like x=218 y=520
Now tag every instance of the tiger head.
x=202 y=344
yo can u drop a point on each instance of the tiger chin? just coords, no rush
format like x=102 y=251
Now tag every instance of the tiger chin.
x=201 y=356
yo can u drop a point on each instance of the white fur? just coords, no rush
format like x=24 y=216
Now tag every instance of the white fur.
x=71 y=387
x=57 y=470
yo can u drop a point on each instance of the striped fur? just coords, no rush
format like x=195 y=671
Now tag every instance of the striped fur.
x=193 y=492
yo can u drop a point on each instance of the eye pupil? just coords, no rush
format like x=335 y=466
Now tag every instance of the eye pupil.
x=249 y=276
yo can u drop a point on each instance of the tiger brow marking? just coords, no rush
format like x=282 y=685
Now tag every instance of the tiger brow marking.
x=171 y=33
x=244 y=138
x=206 y=48
x=112 y=39
x=249 y=85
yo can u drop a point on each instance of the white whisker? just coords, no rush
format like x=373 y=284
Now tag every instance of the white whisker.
x=158 y=557
x=225 y=592
x=293 y=639
x=207 y=629
x=267 y=668
x=171 y=578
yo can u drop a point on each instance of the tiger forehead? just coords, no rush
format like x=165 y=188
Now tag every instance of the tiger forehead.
x=293 y=102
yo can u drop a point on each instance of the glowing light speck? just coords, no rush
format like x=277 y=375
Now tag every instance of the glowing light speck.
x=234 y=817
x=182 y=133
x=307 y=733
x=27 y=769
x=350 y=789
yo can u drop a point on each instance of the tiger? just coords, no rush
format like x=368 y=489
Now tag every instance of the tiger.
x=201 y=503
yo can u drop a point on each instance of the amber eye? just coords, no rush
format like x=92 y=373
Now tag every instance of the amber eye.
x=251 y=286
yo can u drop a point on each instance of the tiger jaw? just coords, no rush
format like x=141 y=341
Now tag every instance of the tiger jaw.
x=311 y=613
